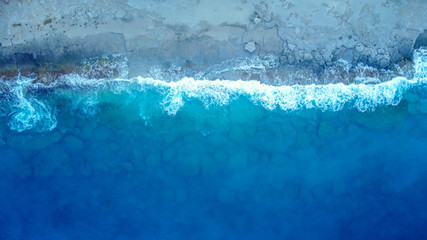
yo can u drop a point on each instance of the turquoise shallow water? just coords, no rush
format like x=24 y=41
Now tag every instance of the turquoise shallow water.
x=145 y=159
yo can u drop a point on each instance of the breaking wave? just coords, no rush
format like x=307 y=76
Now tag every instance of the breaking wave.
x=28 y=105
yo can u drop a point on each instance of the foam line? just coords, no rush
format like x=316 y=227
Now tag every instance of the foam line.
x=37 y=110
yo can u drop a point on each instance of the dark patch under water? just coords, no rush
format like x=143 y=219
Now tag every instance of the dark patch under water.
x=230 y=172
x=145 y=159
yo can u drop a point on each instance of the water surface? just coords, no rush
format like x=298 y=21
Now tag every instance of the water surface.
x=193 y=159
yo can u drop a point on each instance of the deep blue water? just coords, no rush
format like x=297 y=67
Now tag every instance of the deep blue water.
x=145 y=159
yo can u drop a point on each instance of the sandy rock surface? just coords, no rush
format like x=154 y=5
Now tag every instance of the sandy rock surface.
x=199 y=33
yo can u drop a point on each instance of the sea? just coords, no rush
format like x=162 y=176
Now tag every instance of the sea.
x=146 y=158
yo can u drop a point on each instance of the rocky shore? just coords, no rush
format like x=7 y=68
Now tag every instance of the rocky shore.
x=56 y=36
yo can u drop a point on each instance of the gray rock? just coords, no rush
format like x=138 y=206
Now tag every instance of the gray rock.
x=283 y=59
x=359 y=48
x=148 y=35
x=291 y=59
x=383 y=61
x=250 y=47
x=308 y=57
x=421 y=40
x=343 y=53
x=405 y=48
x=292 y=46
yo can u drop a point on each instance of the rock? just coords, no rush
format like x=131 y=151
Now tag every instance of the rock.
x=291 y=59
x=257 y=20
x=421 y=40
x=343 y=53
x=359 y=48
x=267 y=40
x=405 y=48
x=267 y=18
x=120 y=13
x=292 y=46
x=307 y=57
x=250 y=47
x=283 y=59
x=384 y=62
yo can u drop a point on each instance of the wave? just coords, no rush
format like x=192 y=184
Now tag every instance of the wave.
x=29 y=105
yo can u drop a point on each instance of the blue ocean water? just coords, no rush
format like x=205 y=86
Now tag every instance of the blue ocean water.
x=147 y=159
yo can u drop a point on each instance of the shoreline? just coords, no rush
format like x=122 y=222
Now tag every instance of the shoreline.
x=307 y=35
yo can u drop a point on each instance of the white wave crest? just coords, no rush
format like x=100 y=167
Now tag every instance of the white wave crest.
x=29 y=113
x=331 y=97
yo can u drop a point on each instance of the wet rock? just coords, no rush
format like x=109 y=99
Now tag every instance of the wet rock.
x=405 y=47
x=250 y=47
x=292 y=46
x=257 y=20
x=299 y=56
x=120 y=13
x=343 y=53
x=291 y=59
x=267 y=40
x=308 y=57
x=283 y=59
x=359 y=48
x=384 y=62
x=421 y=40
x=394 y=54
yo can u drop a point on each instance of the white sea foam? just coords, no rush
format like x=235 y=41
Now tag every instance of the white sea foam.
x=28 y=111
x=331 y=97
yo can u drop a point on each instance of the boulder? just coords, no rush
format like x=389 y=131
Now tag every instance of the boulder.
x=250 y=47
x=421 y=40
